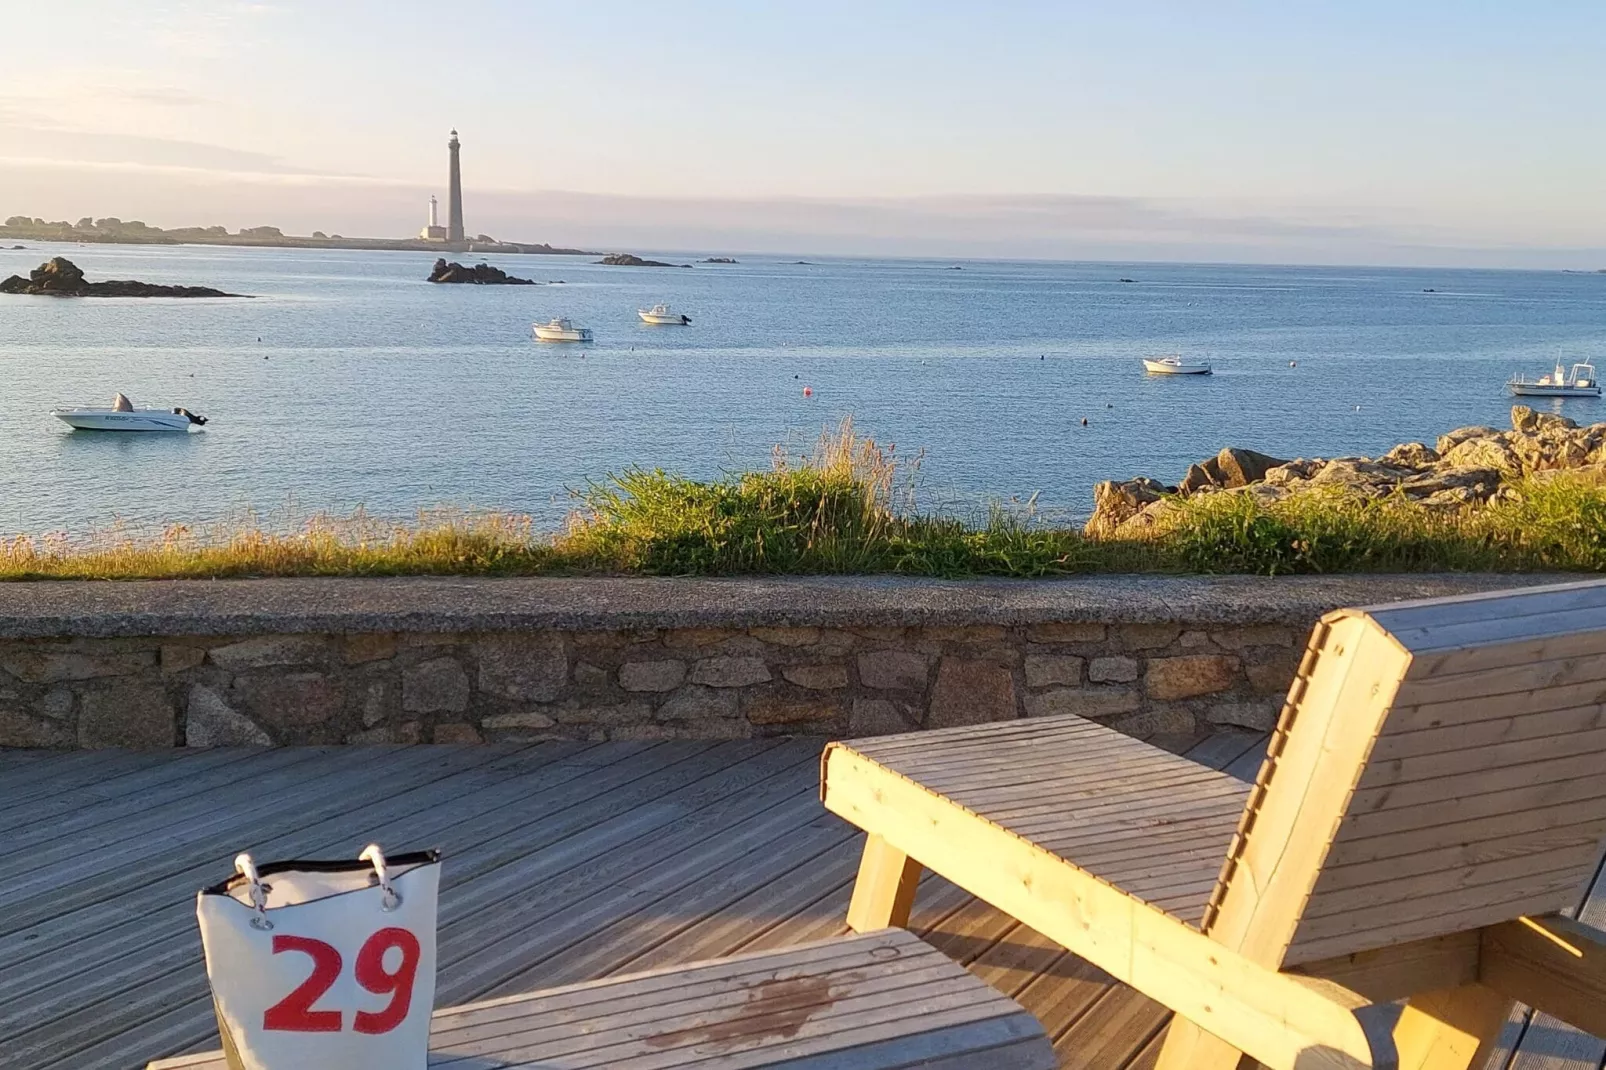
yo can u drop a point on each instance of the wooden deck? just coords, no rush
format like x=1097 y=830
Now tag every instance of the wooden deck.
x=564 y=862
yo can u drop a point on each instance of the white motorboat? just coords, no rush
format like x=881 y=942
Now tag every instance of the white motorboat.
x=1578 y=383
x=661 y=314
x=124 y=417
x=1175 y=366
x=561 y=330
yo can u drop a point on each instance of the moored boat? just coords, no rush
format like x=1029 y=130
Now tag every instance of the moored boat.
x=560 y=330
x=123 y=416
x=1175 y=366
x=661 y=314
x=1580 y=382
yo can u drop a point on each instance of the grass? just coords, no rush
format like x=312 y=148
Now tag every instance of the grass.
x=849 y=508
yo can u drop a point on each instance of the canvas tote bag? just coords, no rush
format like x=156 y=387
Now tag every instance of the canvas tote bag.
x=324 y=965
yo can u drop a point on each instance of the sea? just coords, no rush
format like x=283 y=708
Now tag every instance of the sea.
x=346 y=382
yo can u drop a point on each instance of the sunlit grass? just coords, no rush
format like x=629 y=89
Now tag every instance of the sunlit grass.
x=848 y=507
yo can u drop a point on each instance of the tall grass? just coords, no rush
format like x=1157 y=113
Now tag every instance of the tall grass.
x=849 y=506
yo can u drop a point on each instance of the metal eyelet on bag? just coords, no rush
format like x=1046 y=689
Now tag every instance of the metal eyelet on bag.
x=258 y=891
x=392 y=898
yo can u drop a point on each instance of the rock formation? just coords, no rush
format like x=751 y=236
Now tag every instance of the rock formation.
x=60 y=277
x=719 y=260
x=1469 y=465
x=632 y=260
x=478 y=275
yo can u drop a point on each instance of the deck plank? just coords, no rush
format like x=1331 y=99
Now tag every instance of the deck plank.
x=638 y=855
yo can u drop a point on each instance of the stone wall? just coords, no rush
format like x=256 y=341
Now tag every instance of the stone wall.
x=565 y=673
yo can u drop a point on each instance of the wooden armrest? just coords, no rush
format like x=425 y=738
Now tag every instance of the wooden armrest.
x=1553 y=963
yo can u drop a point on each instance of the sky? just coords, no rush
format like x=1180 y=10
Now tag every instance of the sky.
x=1436 y=132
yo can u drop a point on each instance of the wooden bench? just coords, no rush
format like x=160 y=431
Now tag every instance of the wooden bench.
x=876 y=1001
x=1434 y=791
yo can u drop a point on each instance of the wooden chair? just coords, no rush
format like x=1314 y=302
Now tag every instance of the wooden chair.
x=1435 y=790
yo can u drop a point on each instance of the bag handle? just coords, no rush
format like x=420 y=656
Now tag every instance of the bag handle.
x=373 y=854
x=257 y=891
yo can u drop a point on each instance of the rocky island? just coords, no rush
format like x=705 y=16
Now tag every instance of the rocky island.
x=631 y=260
x=719 y=260
x=1468 y=466
x=60 y=277
x=478 y=275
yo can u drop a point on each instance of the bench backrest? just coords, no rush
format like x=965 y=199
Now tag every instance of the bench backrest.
x=1438 y=766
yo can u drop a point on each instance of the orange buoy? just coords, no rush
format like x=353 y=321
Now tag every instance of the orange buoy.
x=808 y=391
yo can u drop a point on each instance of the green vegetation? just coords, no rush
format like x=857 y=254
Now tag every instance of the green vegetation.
x=849 y=508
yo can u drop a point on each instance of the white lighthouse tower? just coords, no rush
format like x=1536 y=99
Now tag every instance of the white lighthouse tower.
x=433 y=231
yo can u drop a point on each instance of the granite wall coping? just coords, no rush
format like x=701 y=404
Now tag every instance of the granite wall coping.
x=447 y=604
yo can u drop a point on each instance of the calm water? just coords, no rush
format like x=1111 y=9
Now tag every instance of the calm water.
x=350 y=382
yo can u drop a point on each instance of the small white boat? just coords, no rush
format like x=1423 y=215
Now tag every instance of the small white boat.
x=122 y=416
x=1578 y=383
x=661 y=314
x=1174 y=366
x=561 y=330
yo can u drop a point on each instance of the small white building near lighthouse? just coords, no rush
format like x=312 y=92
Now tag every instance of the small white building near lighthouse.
x=433 y=231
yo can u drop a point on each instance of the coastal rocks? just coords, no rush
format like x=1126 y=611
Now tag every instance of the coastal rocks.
x=720 y=260
x=60 y=277
x=631 y=260
x=481 y=274
x=1466 y=467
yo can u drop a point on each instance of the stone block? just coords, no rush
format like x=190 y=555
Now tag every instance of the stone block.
x=1090 y=702
x=456 y=732
x=35 y=665
x=177 y=657
x=1274 y=674
x=1146 y=636
x=211 y=722
x=776 y=709
x=407 y=732
x=134 y=715
x=690 y=639
x=879 y=717
x=971 y=692
x=694 y=703
x=880 y=635
x=590 y=677
x=969 y=633
x=364 y=647
x=1195 y=640
x=1156 y=721
x=436 y=686
x=1188 y=675
x=828 y=676
x=786 y=636
x=525 y=667
x=1112 y=670
x=523 y=719
x=1249 y=635
x=56 y=704
x=1260 y=714
x=1043 y=670
x=578 y=713
x=288 y=700
x=263 y=651
x=21 y=729
x=378 y=701
x=1066 y=632
x=652 y=675
x=730 y=672
x=894 y=670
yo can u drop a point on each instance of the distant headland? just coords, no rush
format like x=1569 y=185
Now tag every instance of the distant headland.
x=113 y=231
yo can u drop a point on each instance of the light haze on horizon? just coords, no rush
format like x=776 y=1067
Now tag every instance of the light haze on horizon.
x=1433 y=133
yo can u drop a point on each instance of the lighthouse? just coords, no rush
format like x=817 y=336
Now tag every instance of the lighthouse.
x=433 y=231
x=454 y=196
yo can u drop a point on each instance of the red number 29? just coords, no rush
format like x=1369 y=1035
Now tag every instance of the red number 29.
x=294 y=1013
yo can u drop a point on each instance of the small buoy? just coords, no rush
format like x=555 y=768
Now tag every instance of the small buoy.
x=259 y=338
x=1084 y=421
x=1107 y=405
x=1357 y=408
x=1293 y=364
x=808 y=391
x=797 y=377
x=1044 y=357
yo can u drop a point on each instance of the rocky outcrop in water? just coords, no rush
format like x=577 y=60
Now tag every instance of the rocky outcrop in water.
x=478 y=275
x=632 y=260
x=60 y=277
x=719 y=260
x=1467 y=466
